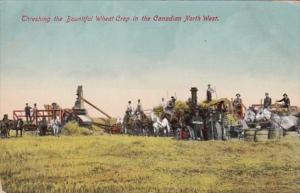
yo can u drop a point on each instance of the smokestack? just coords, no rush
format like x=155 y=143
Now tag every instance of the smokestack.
x=79 y=101
x=194 y=95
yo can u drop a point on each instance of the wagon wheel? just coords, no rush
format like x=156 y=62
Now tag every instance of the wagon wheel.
x=29 y=127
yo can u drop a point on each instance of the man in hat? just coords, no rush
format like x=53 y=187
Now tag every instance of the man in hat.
x=171 y=104
x=5 y=119
x=173 y=100
x=139 y=109
x=27 y=110
x=286 y=101
x=237 y=105
x=197 y=123
x=163 y=103
x=209 y=92
x=129 y=108
x=267 y=101
x=34 y=112
x=42 y=126
x=5 y=128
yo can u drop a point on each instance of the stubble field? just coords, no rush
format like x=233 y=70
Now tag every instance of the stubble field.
x=118 y=163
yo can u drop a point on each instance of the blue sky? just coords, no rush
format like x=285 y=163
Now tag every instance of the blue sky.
x=252 y=49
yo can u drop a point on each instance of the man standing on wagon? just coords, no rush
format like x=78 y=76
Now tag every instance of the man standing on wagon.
x=209 y=92
x=267 y=101
x=286 y=101
x=238 y=105
x=139 y=109
x=34 y=112
x=197 y=125
x=129 y=108
x=27 y=110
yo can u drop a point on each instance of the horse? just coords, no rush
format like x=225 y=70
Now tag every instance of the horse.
x=160 y=124
x=263 y=115
x=137 y=123
x=287 y=123
x=17 y=126
x=253 y=117
x=250 y=116
x=6 y=126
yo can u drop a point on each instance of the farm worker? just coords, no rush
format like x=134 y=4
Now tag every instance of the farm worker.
x=212 y=122
x=192 y=132
x=27 y=110
x=56 y=126
x=198 y=125
x=42 y=128
x=4 y=125
x=173 y=100
x=139 y=109
x=209 y=92
x=237 y=104
x=286 y=100
x=34 y=111
x=267 y=101
x=129 y=108
x=170 y=106
x=163 y=103
x=171 y=103
x=5 y=119
x=190 y=103
x=187 y=124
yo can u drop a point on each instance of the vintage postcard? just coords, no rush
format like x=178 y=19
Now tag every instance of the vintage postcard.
x=149 y=96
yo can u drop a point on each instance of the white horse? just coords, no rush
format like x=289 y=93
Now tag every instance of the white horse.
x=160 y=124
x=287 y=122
x=263 y=114
x=249 y=116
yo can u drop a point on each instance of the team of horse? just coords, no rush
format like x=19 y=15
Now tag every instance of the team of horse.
x=7 y=126
x=275 y=120
x=18 y=126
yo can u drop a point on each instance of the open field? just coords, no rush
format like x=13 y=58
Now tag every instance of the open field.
x=147 y=164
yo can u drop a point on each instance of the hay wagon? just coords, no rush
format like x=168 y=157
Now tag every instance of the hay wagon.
x=38 y=116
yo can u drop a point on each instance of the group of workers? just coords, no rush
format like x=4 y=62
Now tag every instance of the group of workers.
x=195 y=121
x=167 y=106
x=30 y=113
x=131 y=111
x=33 y=113
x=238 y=104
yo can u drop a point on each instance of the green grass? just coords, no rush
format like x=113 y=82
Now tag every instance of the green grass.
x=115 y=163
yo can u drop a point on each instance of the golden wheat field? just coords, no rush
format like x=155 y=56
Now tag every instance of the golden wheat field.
x=116 y=163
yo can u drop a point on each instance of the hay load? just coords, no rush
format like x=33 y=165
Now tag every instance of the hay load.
x=72 y=128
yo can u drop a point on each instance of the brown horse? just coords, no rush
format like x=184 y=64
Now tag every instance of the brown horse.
x=16 y=125
x=137 y=124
